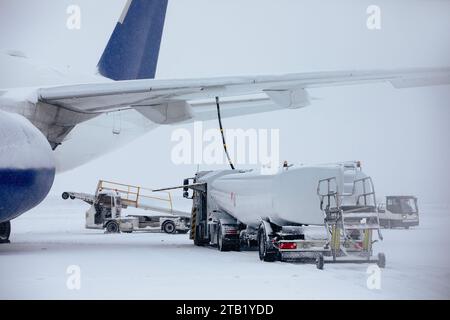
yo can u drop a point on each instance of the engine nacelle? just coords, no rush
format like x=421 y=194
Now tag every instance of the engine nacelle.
x=27 y=166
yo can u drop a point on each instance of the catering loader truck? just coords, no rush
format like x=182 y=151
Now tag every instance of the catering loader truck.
x=233 y=208
x=111 y=198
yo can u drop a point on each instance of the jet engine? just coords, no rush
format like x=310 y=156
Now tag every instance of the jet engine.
x=27 y=168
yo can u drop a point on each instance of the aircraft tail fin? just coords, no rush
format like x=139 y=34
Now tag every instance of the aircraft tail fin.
x=133 y=49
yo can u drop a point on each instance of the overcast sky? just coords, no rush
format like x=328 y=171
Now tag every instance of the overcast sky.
x=401 y=136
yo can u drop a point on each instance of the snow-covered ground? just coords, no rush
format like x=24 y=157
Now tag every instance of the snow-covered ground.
x=50 y=238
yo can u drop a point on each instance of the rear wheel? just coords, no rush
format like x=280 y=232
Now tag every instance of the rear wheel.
x=220 y=241
x=5 y=231
x=65 y=195
x=112 y=227
x=227 y=244
x=169 y=227
x=198 y=236
x=264 y=253
x=381 y=260
x=320 y=262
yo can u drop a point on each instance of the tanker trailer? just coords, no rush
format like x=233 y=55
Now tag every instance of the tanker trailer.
x=233 y=208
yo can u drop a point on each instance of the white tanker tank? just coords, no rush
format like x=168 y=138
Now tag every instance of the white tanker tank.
x=286 y=198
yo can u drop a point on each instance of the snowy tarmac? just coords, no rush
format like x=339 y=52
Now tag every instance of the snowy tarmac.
x=50 y=238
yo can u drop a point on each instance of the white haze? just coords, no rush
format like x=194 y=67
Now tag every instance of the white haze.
x=401 y=136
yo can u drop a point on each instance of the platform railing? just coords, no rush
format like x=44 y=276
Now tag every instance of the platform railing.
x=133 y=195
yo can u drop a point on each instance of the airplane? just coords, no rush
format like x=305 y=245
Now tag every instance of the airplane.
x=52 y=121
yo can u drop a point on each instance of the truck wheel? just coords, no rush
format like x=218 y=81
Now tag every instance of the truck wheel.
x=169 y=227
x=5 y=231
x=381 y=260
x=199 y=239
x=320 y=262
x=264 y=253
x=220 y=245
x=197 y=236
x=65 y=195
x=112 y=227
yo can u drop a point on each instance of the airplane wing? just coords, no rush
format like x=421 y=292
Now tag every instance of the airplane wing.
x=173 y=101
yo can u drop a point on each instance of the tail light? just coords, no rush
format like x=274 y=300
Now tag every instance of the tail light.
x=230 y=230
x=287 y=245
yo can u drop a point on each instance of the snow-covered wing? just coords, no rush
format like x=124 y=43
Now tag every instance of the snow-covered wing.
x=171 y=101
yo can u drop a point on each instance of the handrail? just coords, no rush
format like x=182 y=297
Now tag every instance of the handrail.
x=340 y=196
x=133 y=193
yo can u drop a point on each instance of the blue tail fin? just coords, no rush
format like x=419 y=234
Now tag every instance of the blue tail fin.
x=133 y=49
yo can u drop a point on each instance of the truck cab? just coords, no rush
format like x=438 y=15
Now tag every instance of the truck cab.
x=106 y=213
x=399 y=212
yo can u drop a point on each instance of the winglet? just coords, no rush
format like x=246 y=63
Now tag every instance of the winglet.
x=133 y=49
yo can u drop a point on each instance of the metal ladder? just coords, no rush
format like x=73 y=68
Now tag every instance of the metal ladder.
x=349 y=176
x=349 y=227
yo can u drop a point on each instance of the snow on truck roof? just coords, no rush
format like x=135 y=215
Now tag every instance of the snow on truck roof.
x=108 y=192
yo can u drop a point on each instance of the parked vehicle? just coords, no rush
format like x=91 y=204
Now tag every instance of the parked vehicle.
x=233 y=208
x=399 y=212
x=109 y=200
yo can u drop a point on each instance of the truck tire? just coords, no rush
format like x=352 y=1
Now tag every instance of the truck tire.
x=5 y=231
x=320 y=262
x=381 y=260
x=199 y=240
x=228 y=246
x=65 y=195
x=197 y=236
x=264 y=253
x=220 y=243
x=112 y=227
x=169 y=227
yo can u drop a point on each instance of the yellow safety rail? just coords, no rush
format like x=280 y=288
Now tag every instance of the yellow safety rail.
x=132 y=194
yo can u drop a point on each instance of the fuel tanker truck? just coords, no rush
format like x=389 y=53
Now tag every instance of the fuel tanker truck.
x=234 y=209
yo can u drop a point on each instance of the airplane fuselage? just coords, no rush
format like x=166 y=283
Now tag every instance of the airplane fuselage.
x=73 y=145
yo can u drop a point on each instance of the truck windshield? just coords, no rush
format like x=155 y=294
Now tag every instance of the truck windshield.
x=104 y=200
x=402 y=205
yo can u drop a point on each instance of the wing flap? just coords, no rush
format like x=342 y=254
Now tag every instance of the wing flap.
x=168 y=112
